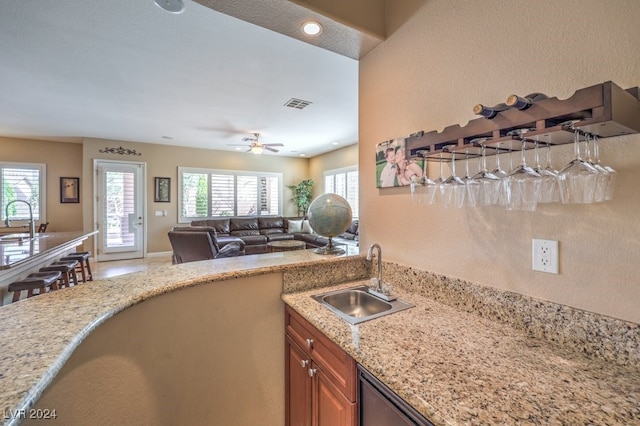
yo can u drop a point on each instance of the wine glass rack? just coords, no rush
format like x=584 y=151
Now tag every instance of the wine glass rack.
x=605 y=110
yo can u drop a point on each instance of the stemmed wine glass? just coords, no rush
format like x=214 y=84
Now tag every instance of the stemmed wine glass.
x=486 y=184
x=453 y=187
x=604 y=184
x=470 y=184
x=424 y=188
x=577 y=180
x=610 y=177
x=501 y=174
x=523 y=183
x=549 y=186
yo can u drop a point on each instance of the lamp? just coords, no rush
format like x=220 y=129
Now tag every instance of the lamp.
x=256 y=149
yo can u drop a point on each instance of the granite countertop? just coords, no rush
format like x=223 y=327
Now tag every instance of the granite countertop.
x=458 y=368
x=36 y=340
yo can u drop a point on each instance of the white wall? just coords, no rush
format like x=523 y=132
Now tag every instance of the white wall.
x=453 y=54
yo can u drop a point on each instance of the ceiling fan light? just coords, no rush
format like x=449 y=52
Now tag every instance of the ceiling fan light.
x=256 y=149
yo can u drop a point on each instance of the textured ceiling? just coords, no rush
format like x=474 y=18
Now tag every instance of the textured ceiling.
x=127 y=70
x=287 y=18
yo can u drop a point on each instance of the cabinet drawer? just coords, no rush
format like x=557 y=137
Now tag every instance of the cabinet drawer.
x=334 y=362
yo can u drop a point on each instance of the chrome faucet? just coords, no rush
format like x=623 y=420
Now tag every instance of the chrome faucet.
x=32 y=224
x=381 y=291
x=370 y=257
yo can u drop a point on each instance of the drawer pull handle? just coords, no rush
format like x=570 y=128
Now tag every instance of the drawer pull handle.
x=312 y=372
x=310 y=343
x=304 y=363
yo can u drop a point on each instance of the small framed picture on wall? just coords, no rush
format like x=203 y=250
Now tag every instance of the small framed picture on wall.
x=69 y=190
x=162 y=190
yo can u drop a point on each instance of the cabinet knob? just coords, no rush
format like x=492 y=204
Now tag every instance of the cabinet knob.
x=304 y=363
x=312 y=372
x=310 y=343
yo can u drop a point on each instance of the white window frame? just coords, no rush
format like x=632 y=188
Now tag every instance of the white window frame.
x=344 y=171
x=235 y=174
x=42 y=196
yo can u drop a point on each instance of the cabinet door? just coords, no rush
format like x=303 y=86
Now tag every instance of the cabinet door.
x=298 y=385
x=331 y=407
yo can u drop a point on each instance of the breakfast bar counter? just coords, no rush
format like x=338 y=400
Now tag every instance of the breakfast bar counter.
x=21 y=255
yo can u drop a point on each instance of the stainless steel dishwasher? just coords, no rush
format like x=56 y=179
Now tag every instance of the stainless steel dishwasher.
x=380 y=406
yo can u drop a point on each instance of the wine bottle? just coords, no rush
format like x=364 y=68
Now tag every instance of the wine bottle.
x=489 y=112
x=518 y=102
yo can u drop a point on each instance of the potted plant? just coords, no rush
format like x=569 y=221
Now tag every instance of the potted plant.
x=302 y=195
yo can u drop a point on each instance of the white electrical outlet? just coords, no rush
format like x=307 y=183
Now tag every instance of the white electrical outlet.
x=545 y=256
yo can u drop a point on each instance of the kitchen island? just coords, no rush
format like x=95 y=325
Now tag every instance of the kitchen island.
x=21 y=255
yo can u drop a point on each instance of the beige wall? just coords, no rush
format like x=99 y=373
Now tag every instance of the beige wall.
x=164 y=160
x=62 y=160
x=343 y=157
x=147 y=367
x=453 y=54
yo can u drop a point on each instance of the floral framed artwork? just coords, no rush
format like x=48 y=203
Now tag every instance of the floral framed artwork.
x=162 y=192
x=393 y=168
x=69 y=190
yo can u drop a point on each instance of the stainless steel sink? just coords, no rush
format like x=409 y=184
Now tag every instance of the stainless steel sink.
x=356 y=304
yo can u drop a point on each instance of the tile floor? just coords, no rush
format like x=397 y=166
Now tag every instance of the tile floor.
x=120 y=267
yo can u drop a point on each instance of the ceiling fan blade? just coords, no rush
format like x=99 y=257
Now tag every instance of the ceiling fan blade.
x=237 y=144
x=269 y=148
x=272 y=144
x=247 y=139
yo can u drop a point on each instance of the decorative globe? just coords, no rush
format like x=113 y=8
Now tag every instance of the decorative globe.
x=329 y=216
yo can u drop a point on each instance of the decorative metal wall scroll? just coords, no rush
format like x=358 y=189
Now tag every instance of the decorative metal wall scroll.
x=120 y=151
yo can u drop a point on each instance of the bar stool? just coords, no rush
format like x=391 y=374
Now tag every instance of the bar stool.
x=83 y=264
x=41 y=283
x=68 y=270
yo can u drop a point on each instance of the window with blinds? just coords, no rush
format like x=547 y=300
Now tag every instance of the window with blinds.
x=26 y=182
x=207 y=193
x=344 y=182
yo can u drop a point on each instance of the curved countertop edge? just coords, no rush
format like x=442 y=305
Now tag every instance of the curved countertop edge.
x=456 y=367
x=27 y=342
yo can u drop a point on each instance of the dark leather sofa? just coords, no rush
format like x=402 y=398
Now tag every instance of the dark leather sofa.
x=255 y=232
x=192 y=244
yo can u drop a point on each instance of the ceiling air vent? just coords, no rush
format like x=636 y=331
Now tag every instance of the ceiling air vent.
x=297 y=103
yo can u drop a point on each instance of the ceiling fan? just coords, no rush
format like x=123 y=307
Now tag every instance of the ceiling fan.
x=256 y=146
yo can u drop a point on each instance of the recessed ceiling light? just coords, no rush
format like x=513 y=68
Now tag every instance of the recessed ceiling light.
x=311 y=28
x=335 y=143
x=171 y=6
x=303 y=155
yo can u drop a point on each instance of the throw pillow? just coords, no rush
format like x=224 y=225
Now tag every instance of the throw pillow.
x=294 y=226
x=306 y=227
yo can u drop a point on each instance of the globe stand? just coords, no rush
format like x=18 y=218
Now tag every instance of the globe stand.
x=330 y=248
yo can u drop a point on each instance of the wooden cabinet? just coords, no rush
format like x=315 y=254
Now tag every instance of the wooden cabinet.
x=320 y=377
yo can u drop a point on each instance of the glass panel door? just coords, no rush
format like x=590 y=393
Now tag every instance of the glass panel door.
x=120 y=210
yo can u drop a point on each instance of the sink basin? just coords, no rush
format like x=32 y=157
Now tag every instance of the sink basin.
x=356 y=305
